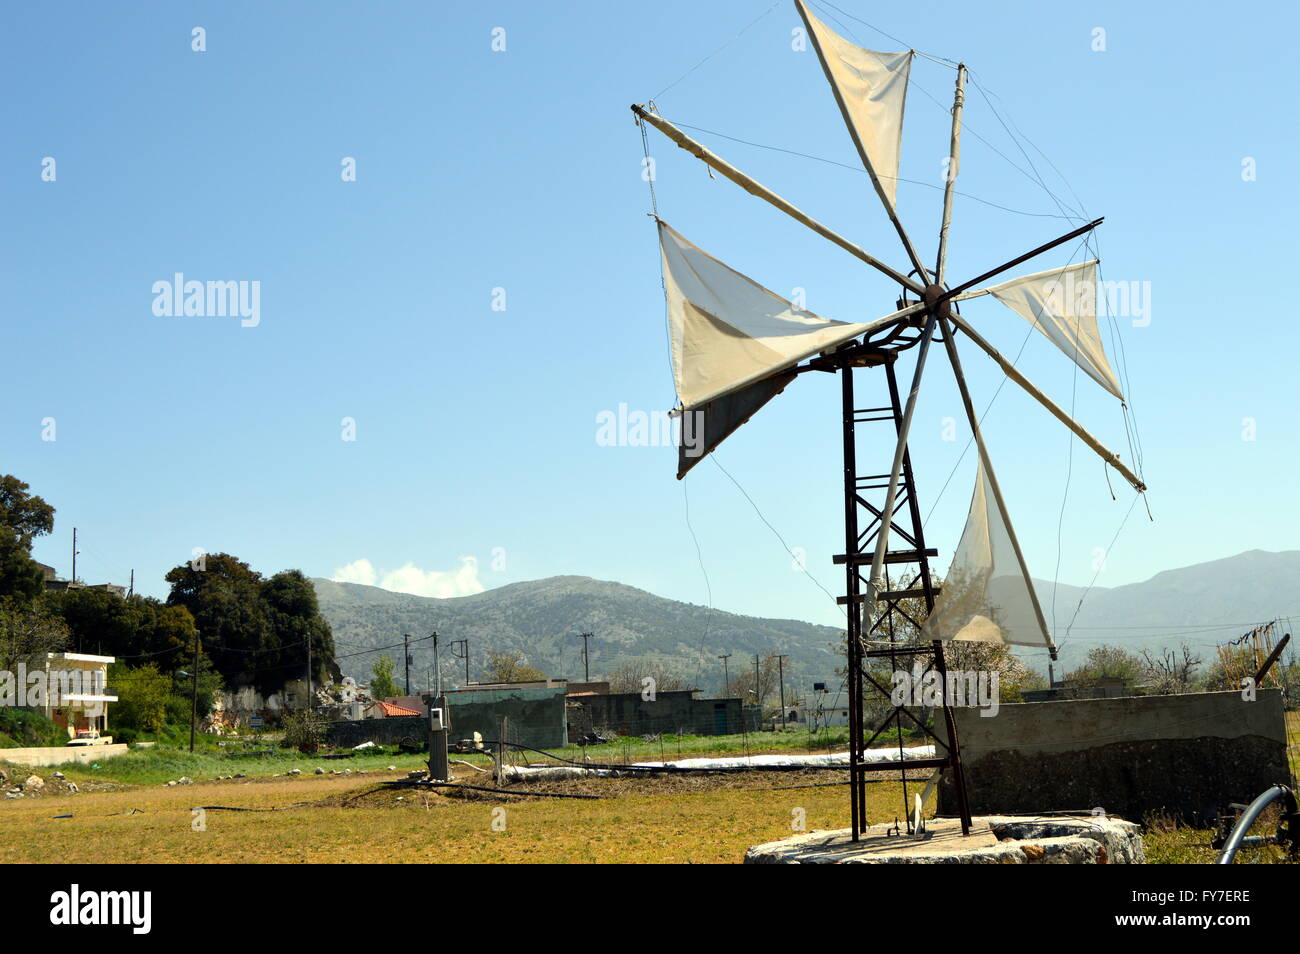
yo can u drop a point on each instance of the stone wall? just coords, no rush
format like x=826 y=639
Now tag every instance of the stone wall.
x=1186 y=755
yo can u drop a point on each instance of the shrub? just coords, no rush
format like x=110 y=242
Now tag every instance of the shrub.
x=22 y=728
x=303 y=730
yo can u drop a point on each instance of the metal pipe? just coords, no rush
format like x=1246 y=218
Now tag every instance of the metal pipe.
x=1249 y=816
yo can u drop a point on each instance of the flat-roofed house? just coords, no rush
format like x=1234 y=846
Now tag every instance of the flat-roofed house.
x=77 y=693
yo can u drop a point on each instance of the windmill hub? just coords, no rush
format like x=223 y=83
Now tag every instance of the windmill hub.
x=933 y=293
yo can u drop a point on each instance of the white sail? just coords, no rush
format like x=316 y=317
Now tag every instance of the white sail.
x=872 y=91
x=987 y=596
x=727 y=331
x=1062 y=304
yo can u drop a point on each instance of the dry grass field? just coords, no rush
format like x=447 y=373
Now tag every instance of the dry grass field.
x=322 y=819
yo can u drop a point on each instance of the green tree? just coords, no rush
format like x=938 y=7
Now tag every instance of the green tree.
x=510 y=667
x=255 y=630
x=136 y=627
x=142 y=697
x=294 y=615
x=382 y=684
x=27 y=632
x=1108 y=662
x=23 y=517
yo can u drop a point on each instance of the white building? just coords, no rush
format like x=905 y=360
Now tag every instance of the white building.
x=77 y=692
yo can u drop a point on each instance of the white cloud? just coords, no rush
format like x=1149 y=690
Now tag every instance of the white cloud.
x=409 y=578
x=358 y=571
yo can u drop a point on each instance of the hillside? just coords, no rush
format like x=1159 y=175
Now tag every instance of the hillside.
x=1199 y=605
x=541 y=617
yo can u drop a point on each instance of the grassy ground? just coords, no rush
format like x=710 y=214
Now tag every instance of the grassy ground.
x=126 y=812
x=163 y=763
x=345 y=819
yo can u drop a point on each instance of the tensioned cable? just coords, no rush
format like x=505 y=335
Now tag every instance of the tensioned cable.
x=699 y=668
x=718 y=50
x=860 y=171
x=1089 y=587
x=989 y=406
x=799 y=563
x=1069 y=473
x=941 y=60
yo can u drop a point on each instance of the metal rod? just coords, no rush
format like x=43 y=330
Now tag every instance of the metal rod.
x=882 y=538
x=853 y=633
x=1272 y=658
x=767 y=195
x=1081 y=230
x=1102 y=451
x=951 y=344
x=954 y=157
x=862 y=152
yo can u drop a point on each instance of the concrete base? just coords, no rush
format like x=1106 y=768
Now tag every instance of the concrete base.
x=994 y=840
x=61 y=755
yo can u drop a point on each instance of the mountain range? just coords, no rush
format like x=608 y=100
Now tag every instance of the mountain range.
x=1199 y=605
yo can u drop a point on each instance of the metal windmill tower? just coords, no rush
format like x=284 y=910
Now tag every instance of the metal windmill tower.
x=736 y=345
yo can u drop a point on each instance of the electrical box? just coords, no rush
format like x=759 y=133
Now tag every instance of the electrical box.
x=435 y=720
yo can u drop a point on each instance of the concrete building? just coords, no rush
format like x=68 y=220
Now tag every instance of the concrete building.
x=77 y=693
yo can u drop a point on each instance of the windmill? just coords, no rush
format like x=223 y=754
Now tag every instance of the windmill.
x=735 y=345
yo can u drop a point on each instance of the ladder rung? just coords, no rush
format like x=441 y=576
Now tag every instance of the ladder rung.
x=891 y=596
x=893 y=556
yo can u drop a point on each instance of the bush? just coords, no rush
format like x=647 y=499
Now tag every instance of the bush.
x=303 y=730
x=21 y=728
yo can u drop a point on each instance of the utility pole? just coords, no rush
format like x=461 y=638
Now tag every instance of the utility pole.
x=309 y=672
x=406 y=651
x=725 y=678
x=74 y=554
x=130 y=590
x=436 y=665
x=586 y=663
x=463 y=654
x=758 y=697
x=780 y=664
x=194 y=691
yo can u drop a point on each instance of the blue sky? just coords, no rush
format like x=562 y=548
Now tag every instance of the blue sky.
x=475 y=461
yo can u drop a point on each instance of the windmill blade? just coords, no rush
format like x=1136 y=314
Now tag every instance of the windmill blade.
x=727 y=331
x=988 y=595
x=704 y=428
x=1062 y=304
x=755 y=188
x=871 y=90
x=1109 y=456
